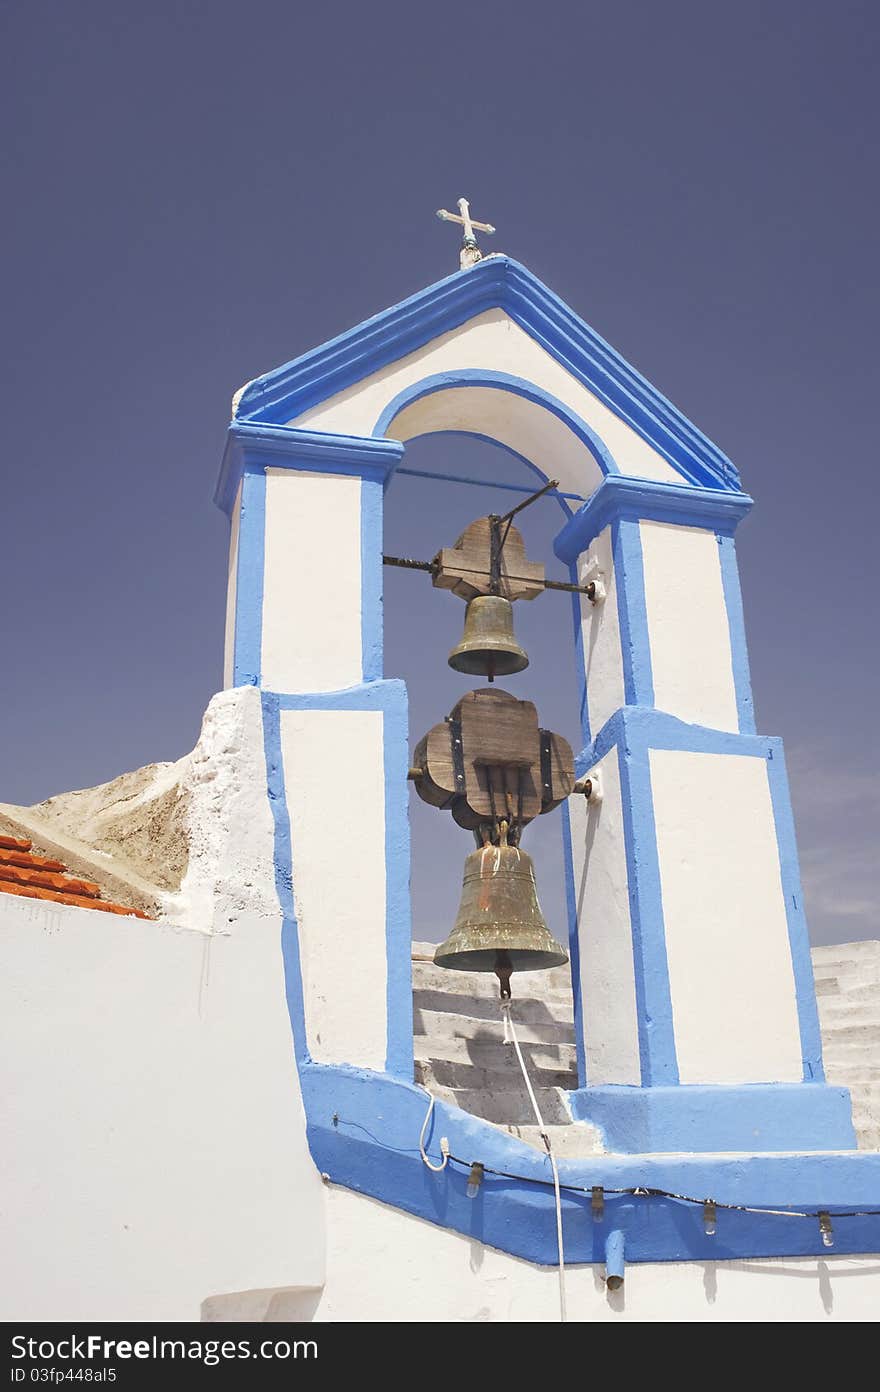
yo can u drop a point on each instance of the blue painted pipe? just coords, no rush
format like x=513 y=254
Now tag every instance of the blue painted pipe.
x=614 y=1260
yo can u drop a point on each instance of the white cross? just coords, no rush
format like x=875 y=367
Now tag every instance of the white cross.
x=470 y=252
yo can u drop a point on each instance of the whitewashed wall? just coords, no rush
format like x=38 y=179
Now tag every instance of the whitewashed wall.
x=731 y=977
x=422 y=1273
x=600 y=634
x=334 y=759
x=688 y=628
x=154 y=1150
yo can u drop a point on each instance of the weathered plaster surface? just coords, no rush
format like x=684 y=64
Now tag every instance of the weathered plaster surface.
x=190 y=841
x=231 y=592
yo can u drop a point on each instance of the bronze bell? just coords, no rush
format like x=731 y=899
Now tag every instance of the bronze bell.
x=488 y=647
x=499 y=926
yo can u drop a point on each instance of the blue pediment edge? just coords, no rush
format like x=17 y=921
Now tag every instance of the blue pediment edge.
x=497 y=282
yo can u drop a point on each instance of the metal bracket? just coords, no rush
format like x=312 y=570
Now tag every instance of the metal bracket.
x=457 y=749
x=590 y=786
x=592 y=580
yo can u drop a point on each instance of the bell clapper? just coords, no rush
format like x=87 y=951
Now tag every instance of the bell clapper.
x=503 y=970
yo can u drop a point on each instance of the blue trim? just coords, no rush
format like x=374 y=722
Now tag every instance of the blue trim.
x=390 y=698
x=657 y=1055
x=363 y=1131
x=742 y=680
x=500 y=381
x=275 y=782
x=758 y=1116
x=250 y=446
x=247 y=637
x=632 y=613
x=398 y=921
x=798 y=936
x=497 y=282
x=574 y=945
x=620 y=496
x=372 y=516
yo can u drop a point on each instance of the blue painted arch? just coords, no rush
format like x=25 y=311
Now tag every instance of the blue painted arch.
x=438 y=383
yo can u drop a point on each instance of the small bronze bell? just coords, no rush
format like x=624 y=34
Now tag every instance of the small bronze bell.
x=499 y=926
x=488 y=647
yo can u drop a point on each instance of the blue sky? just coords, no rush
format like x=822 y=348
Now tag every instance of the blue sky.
x=196 y=192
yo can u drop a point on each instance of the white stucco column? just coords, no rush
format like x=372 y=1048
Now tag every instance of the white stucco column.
x=305 y=625
x=304 y=599
x=693 y=981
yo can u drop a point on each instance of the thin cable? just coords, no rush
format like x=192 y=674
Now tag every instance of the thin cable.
x=438 y=1169
x=509 y=1029
x=482 y=483
x=638 y=1191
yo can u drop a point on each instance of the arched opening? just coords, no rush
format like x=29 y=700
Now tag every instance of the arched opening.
x=426 y=509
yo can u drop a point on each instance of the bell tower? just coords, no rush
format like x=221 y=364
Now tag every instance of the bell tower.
x=696 y=1023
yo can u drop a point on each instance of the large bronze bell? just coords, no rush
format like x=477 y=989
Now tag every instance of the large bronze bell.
x=488 y=647
x=499 y=927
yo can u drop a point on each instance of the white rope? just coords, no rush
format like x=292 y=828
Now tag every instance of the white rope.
x=510 y=1037
x=438 y=1169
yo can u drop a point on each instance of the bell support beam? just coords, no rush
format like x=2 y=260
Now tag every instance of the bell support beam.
x=304 y=624
x=695 y=1007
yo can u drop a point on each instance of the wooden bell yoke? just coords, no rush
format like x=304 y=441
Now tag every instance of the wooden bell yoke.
x=490 y=761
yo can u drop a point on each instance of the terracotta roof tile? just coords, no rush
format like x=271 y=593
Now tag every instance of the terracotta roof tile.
x=14 y=843
x=28 y=860
x=38 y=877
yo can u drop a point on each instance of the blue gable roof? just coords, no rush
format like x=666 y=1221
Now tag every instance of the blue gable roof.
x=494 y=283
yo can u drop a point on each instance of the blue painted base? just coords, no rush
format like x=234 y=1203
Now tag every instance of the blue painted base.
x=759 y=1117
x=363 y=1131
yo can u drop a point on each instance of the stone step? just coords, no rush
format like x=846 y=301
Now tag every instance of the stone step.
x=841 y=1032
x=529 y=1012
x=492 y=1079
x=826 y=986
x=831 y=954
x=856 y=992
x=861 y=1000
x=485 y=1052
x=866 y=969
x=510 y=1106
x=440 y=1025
x=847 y=1064
x=856 y=1078
x=568 y=1142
